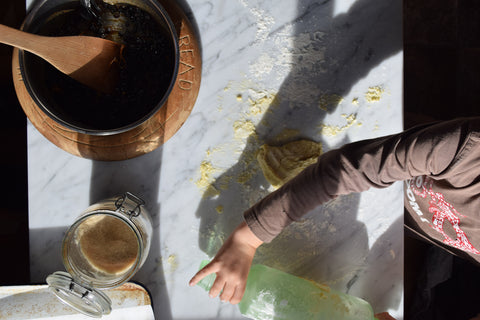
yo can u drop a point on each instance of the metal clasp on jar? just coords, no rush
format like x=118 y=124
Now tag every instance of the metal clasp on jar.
x=129 y=204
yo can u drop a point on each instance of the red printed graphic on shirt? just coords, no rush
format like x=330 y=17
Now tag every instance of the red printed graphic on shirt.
x=442 y=211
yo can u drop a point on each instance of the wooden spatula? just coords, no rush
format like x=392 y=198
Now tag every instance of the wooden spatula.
x=89 y=60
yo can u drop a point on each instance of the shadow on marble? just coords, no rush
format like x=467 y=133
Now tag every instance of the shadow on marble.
x=329 y=245
x=46 y=252
x=379 y=267
x=141 y=177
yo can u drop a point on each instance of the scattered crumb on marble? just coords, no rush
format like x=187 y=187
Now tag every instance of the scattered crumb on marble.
x=243 y=129
x=287 y=134
x=224 y=181
x=263 y=65
x=228 y=87
x=331 y=130
x=260 y=102
x=264 y=22
x=332 y=228
x=245 y=176
x=250 y=95
x=173 y=262
x=211 y=151
x=207 y=179
x=211 y=192
x=206 y=174
x=208 y=183
x=219 y=209
x=374 y=94
x=392 y=253
x=328 y=101
x=355 y=101
x=249 y=165
x=328 y=226
x=324 y=225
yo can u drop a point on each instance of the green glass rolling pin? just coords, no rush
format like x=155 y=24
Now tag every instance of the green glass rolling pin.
x=273 y=295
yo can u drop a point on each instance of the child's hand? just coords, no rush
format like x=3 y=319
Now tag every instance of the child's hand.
x=231 y=264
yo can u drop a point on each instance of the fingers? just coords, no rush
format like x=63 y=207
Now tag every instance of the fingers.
x=217 y=287
x=205 y=271
x=231 y=265
x=229 y=291
x=238 y=294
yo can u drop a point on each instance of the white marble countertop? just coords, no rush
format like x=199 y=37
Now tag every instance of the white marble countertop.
x=330 y=71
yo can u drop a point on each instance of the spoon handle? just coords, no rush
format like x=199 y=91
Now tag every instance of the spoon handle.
x=89 y=60
x=67 y=54
x=30 y=42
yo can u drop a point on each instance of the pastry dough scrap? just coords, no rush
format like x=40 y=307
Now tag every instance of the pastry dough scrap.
x=279 y=164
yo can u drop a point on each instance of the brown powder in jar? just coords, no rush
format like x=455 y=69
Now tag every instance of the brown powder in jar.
x=108 y=243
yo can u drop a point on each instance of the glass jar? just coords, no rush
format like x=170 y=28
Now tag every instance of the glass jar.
x=102 y=249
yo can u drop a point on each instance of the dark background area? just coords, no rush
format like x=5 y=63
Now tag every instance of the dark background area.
x=441 y=81
x=441 y=53
x=14 y=266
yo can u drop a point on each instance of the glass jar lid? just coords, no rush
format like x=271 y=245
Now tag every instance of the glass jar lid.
x=86 y=300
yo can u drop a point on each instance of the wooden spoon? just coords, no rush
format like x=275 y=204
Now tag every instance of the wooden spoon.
x=89 y=60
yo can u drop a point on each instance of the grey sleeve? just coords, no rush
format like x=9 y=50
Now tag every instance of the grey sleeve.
x=358 y=166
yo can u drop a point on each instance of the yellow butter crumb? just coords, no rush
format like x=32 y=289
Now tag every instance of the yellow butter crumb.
x=329 y=101
x=207 y=179
x=261 y=102
x=173 y=262
x=374 y=94
x=246 y=176
x=355 y=101
x=329 y=130
x=243 y=129
x=210 y=192
x=225 y=89
x=206 y=174
x=224 y=181
x=219 y=209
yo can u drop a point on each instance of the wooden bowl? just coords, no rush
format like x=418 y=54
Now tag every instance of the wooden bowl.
x=143 y=138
